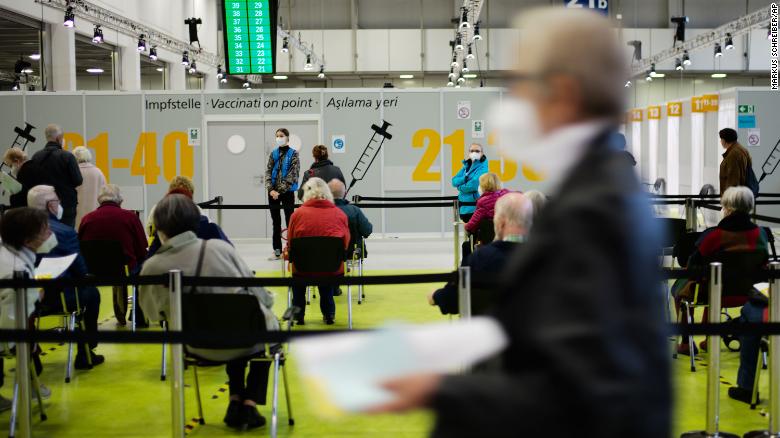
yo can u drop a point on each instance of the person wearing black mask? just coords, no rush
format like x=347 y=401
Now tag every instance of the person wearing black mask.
x=281 y=182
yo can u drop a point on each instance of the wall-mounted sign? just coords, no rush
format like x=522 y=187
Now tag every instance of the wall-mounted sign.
x=250 y=36
x=193 y=136
x=635 y=115
x=464 y=109
x=697 y=104
x=754 y=138
x=710 y=102
x=746 y=121
x=338 y=144
x=746 y=109
x=478 y=129
x=597 y=5
x=653 y=113
x=674 y=109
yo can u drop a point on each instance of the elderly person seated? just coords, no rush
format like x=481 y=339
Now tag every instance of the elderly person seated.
x=177 y=218
x=45 y=198
x=24 y=232
x=111 y=222
x=317 y=217
x=88 y=191
x=489 y=191
x=512 y=222
x=24 y=171
x=538 y=199
x=206 y=229
x=359 y=226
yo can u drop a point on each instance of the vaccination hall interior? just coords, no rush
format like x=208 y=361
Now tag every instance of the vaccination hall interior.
x=389 y=218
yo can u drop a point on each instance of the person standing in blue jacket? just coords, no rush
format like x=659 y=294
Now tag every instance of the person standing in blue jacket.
x=281 y=182
x=467 y=180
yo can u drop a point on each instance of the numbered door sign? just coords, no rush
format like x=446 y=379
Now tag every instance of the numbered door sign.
x=654 y=113
x=597 y=5
x=674 y=109
x=710 y=102
x=635 y=115
x=697 y=104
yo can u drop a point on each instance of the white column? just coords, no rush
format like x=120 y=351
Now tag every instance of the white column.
x=210 y=77
x=63 y=58
x=130 y=68
x=177 y=77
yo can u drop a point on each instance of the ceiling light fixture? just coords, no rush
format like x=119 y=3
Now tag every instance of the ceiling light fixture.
x=464 y=19
x=160 y=69
x=719 y=75
x=321 y=75
x=470 y=53
x=97 y=35
x=141 y=43
x=220 y=73
x=285 y=45
x=153 y=53
x=70 y=17
x=95 y=70
x=35 y=56
x=729 y=42
x=406 y=76
x=477 y=36
x=678 y=64
x=193 y=68
x=308 y=65
x=280 y=77
x=470 y=76
x=686 y=60
x=185 y=58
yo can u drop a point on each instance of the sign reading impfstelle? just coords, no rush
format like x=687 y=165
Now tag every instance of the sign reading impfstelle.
x=250 y=36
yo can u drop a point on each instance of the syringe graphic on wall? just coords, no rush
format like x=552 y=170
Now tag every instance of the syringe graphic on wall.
x=369 y=153
x=771 y=162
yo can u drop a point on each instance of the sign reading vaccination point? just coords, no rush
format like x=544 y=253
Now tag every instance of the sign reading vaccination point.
x=250 y=36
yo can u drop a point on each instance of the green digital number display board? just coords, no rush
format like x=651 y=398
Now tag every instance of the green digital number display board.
x=250 y=36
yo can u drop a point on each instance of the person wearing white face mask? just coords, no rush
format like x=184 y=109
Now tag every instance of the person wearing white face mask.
x=281 y=182
x=24 y=232
x=65 y=242
x=467 y=180
x=581 y=303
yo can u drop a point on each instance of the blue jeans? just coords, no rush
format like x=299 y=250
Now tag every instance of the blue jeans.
x=327 y=305
x=748 y=354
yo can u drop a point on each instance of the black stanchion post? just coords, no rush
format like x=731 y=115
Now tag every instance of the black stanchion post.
x=456 y=232
x=713 y=363
x=23 y=409
x=177 y=357
x=219 y=211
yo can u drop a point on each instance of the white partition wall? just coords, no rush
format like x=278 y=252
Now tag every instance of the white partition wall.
x=636 y=141
x=662 y=149
x=653 y=120
x=684 y=149
x=697 y=151
x=673 y=117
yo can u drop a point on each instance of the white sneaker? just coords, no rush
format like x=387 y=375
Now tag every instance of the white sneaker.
x=45 y=392
x=276 y=256
x=5 y=404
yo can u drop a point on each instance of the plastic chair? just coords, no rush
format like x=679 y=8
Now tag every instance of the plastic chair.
x=356 y=252
x=315 y=256
x=69 y=318
x=230 y=314
x=741 y=270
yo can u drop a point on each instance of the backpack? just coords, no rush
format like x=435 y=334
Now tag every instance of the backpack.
x=751 y=181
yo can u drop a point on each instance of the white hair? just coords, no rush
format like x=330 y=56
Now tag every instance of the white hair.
x=41 y=195
x=516 y=209
x=82 y=154
x=337 y=188
x=538 y=199
x=316 y=188
x=53 y=132
x=738 y=199
x=110 y=193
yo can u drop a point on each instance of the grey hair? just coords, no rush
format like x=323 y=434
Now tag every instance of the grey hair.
x=738 y=198
x=110 y=193
x=553 y=44
x=82 y=154
x=41 y=195
x=316 y=188
x=516 y=209
x=337 y=188
x=53 y=132
x=538 y=199
x=176 y=214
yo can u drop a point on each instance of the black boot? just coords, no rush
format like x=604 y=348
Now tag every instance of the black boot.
x=252 y=418
x=234 y=416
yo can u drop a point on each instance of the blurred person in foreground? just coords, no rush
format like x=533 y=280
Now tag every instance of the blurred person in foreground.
x=581 y=302
x=177 y=218
x=88 y=191
x=512 y=221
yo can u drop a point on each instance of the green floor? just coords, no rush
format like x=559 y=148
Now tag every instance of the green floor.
x=125 y=397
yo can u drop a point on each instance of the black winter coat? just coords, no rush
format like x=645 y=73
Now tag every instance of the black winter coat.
x=321 y=169
x=59 y=168
x=582 y=305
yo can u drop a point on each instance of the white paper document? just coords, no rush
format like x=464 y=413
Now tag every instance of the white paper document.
x=53 y=267
x=10 y=183
x=345 y=371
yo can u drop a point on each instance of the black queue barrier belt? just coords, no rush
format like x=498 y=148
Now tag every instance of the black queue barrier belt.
x=375 y=205
x=358 y=198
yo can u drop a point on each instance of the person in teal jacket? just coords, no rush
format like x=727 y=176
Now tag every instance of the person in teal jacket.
x=467 y=180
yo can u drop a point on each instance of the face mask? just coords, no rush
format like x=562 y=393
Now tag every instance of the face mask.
x=59 y=211
x=475 y=156
x=48 y=245
x=281 y=141
x=520 y=137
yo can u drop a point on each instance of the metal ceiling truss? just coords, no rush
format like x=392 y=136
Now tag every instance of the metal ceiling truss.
x=296 y=42
x=756 y=20
x=134 y=29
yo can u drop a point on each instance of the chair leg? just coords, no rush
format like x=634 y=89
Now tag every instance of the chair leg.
x=290 y=418
x=164 y=367
x=361 y=288
x=69 y=320
x=14 y=406
x=197 y=392
x=349 y=307
x=132 y=308
x=691 y=345
x=763 y=360
x=289 y=297
x=308 y=295
x=37 y=389
x=275 y=399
